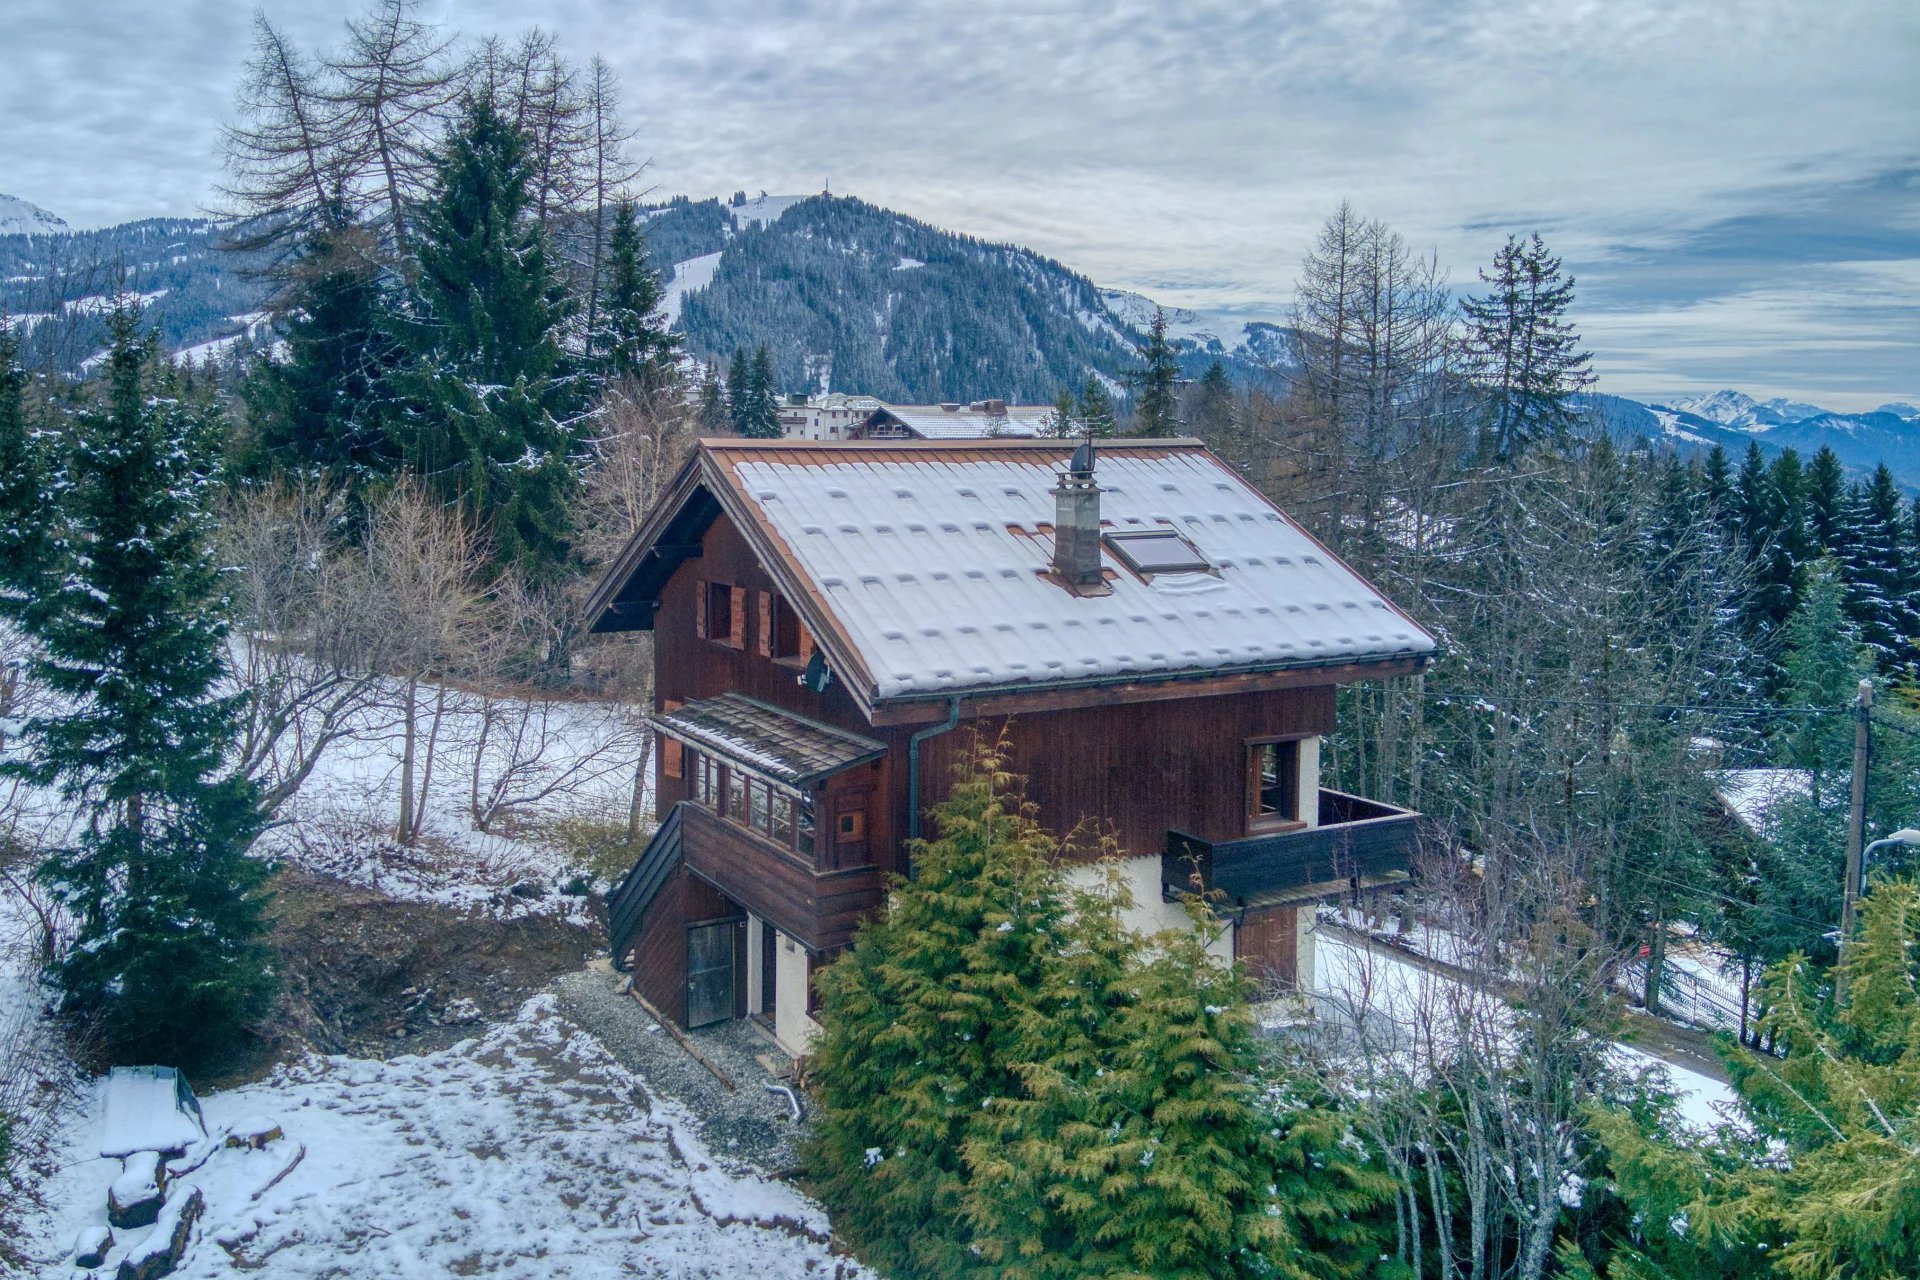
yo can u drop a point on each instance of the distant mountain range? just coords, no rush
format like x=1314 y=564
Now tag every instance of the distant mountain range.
x=848 y=297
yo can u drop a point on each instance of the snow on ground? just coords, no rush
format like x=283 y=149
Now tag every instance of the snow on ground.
x=1353 y=983
x=525 y=1152
x=688 y=277
x=763 y=209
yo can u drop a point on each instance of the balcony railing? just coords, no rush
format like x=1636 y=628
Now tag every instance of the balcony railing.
x=1358 y=844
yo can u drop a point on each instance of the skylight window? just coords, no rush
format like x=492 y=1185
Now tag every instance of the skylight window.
x=1154 y=551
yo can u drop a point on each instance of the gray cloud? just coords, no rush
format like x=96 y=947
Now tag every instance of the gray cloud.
x=1688 y=159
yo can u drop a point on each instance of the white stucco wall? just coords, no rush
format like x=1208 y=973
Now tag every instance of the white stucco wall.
x=755 y=939
x=1309 y=809
x=791 y=1025
x=1150 y=913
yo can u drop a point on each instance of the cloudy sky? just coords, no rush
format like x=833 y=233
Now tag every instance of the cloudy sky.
x=1736 y=183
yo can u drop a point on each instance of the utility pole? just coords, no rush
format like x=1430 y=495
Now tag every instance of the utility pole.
x=1856 y=820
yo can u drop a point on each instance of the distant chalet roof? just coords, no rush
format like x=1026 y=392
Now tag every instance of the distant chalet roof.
x=922 y=567
x=774 y=743
x=978 y=420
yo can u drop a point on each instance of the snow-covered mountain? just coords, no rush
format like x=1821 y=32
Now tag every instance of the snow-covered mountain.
x=1742 y=412
x=19 y=218
x=1733 y=421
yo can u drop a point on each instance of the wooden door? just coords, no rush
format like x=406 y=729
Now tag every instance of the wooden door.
x=709 y=973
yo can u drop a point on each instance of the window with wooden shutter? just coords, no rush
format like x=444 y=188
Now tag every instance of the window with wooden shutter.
x=765 y=620
x=737 y=606
x=672 y=753
x=700 y=591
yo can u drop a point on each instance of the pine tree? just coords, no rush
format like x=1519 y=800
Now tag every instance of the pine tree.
x=1525 y=354
x=1716 y=486
x=635 y=341
x=494 y=413
x=1822 y=664
x=167 y=962
x=1096 y=414
x=1157 y=411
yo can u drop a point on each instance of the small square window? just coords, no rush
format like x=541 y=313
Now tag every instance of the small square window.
x=853 y=825
x=1152 y=551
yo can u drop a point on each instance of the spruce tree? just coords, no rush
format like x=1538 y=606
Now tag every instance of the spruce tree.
x=1716 y=486
x=1213 y=406
x=760 y=420
x=1876 y=573
x=1524 y=353
x=24 y=533
x=167 y=963
x=495 y=405
x=1061 y=423
x=1096 y=414
x=1157 y=411
x=1826 y=493
x=634 y=341
x=712 y=410
x=739 y=391
x=318 y=412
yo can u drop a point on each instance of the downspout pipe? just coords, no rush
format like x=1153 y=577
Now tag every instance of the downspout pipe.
x=913 y=763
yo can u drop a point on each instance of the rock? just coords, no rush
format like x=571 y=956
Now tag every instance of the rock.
x=136 y=1196
x=160 y=1253
x=91 y=1245
x=255 y=1132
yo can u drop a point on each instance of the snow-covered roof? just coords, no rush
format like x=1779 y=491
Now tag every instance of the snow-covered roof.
x=774 y=743
x=1752 y=795
x=932 y=561
x=980 y=420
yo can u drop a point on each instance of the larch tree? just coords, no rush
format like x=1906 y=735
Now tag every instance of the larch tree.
x=168 y=961
x=1524 y=350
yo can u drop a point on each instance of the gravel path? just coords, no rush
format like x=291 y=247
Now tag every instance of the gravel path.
x=749 y=1124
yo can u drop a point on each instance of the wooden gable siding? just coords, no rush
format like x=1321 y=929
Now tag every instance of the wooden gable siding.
x=1140 y=768
x=659 y=954
x=688 y=667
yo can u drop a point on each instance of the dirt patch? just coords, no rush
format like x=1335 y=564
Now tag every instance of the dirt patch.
x=367 y=975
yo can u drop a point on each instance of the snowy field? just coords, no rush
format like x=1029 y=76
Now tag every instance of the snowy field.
x=524 y=1152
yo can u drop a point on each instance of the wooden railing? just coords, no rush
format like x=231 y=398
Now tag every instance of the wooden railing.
x=1356 y=839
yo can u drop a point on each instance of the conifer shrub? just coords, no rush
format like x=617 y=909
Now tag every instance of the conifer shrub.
x=1012 y=1083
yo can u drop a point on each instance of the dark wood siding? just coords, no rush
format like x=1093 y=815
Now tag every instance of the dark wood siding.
x=1266 y=945
x=817 y=909
x=1144 y=768
x=659 y=954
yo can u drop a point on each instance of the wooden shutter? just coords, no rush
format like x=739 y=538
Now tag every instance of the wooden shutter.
x=766 y=624
x=700 y=609
x=672 y=752
x=737 y=597
x=806 y=642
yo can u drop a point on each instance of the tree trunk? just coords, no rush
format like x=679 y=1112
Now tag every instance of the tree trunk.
x=1656 y=961
x=404 y=832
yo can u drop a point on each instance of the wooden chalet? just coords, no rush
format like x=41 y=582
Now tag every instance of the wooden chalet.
x=829 y=620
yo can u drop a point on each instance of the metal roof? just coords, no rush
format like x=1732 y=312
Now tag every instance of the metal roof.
x=765 y=740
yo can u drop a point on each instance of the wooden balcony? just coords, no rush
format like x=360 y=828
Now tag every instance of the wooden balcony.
x=817 y=908
x=1358 y=844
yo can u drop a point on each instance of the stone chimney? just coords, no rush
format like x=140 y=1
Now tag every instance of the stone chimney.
x=1076 y=523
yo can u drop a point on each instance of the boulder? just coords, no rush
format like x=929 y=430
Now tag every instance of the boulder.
x=255 y=1132
x=137 y=1195
x=161 y=1252
x=91 y=1245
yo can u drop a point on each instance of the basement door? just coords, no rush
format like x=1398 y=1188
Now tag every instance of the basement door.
x=709 y=973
